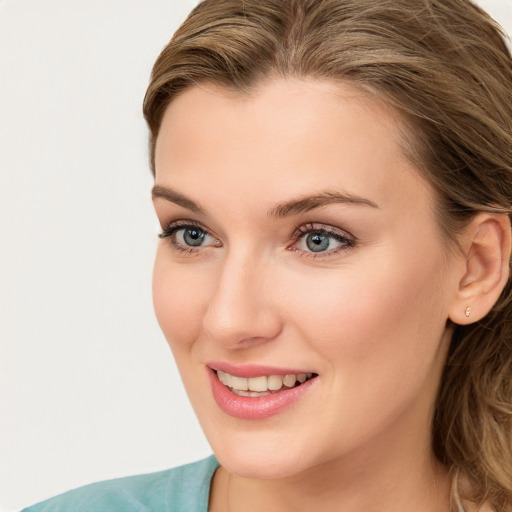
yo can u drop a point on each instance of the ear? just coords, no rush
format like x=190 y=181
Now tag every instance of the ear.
x=486 y=245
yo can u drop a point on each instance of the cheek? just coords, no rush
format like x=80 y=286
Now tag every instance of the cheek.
x=180 y=298
x=378 y=336
x=373 y=322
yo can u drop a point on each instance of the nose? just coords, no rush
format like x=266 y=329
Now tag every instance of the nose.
x=242 y=307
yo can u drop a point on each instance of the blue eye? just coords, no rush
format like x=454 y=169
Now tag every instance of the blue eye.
x=184 y=236
x=314 y=239
x=192 y=236
x=317 y=242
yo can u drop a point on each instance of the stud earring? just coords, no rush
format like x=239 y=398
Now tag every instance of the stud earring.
x=468 y=311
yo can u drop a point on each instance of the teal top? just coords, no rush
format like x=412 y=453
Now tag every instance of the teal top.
x=182 y=489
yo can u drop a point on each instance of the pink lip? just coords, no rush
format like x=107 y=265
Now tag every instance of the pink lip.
x=253 y=370
x=256 y=408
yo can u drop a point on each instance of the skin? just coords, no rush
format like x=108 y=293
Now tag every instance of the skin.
x=370 y=318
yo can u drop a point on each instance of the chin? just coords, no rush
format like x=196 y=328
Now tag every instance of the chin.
x=260 y=466
x=261 y=456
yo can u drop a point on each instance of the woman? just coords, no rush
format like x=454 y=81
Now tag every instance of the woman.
x=333 y=180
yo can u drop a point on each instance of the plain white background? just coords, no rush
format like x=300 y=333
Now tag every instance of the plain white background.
x=88 y=389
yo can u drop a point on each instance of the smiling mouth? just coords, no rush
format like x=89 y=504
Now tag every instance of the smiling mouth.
x=263 y=385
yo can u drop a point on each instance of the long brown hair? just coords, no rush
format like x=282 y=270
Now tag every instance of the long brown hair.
x=444 y=66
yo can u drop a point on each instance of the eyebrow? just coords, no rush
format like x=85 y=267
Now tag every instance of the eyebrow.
x=285 y=209
x=175 y=197
x=309 y=203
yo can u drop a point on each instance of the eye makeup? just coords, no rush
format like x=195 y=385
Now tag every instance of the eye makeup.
x=314 y=240
x=188 y=236
x=311 y=240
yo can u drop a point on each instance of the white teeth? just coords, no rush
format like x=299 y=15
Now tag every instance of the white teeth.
x=249 y=393
x=275 y=382
x=289 y=381
x=239 y=383
x=258 y=383
x=223 y=377
x=260 y=386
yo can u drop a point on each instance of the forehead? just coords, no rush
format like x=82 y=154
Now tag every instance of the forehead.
x=278 y=108
x=288 y=137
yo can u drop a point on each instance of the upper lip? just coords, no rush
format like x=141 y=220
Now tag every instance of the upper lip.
x=254 y=370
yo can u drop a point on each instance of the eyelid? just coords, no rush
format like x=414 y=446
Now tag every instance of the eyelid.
x=321 y=227
x=344 y=237
x=175 y=225
x=348 y=240
x=170 y=230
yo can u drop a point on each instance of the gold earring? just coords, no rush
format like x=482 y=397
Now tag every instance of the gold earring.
x=468 y=311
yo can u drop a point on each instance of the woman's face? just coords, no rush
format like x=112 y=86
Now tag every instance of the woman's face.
x=298 y=240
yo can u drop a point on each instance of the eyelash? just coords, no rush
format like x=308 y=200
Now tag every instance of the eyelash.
x=171 y=230
x=346 y=241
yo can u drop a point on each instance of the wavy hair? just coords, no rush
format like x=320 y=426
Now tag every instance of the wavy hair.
x=445 y=67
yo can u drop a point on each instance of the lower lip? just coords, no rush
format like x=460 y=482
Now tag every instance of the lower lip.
x=255 y=408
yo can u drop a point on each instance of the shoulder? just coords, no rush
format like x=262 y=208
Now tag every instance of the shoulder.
x=182 y=489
